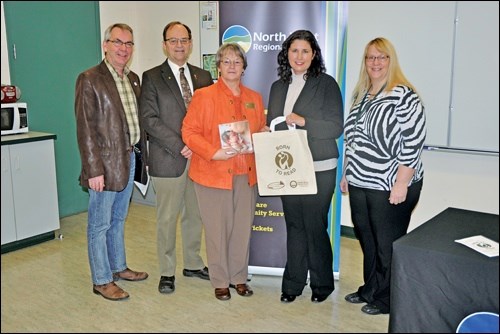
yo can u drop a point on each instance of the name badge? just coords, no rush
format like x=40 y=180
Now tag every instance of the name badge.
x=249 y=105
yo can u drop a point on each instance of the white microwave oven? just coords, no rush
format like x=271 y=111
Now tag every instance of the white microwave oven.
x=14 y=118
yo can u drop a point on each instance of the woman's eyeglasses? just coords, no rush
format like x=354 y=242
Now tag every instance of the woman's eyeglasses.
x=382 y=58
x=236 y=63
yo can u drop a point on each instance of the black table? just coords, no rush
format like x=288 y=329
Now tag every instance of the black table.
x=435 y=281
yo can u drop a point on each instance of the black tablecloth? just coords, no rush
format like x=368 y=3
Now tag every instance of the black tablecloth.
x=436 y=282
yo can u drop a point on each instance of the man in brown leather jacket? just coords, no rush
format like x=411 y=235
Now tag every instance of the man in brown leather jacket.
x=107 y=129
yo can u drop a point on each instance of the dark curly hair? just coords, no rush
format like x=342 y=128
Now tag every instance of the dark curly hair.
x=317 y=64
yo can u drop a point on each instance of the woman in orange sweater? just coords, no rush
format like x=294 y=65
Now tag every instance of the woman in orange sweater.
x=225 y=178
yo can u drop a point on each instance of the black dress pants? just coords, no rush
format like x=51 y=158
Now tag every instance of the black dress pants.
x=308 y=243
x=377 y=224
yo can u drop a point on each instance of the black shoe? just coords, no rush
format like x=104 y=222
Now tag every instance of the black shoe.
x=285 y=298
x=166 y=284
x=318 y=298
x=371 y=309
x=202 y=273
x=354 y=298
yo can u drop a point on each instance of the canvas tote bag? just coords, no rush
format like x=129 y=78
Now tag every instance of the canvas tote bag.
x=284 y=162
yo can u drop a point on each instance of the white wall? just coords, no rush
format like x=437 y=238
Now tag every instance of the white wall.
x=451 y=179
x=147 y=19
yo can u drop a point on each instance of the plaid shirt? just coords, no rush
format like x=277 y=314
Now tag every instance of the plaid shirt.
x=129 y=102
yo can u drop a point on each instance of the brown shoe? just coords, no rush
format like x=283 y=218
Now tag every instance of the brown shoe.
x=222 y=293
x=110 y=291
x=130 y=275
x=242 y=289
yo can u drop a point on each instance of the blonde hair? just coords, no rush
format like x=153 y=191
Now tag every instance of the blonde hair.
x=395 y=74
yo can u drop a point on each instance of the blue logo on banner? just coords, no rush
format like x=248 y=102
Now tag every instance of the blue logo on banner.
x=238 y=34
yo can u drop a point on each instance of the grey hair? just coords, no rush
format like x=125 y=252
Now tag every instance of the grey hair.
x=236 y=48
x=122 y=26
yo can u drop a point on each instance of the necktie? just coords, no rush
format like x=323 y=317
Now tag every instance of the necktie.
x=186 y=91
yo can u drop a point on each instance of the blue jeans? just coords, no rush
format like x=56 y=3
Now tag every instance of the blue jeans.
x=105 y=230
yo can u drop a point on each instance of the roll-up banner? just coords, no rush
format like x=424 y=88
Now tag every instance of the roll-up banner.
x=261 y=27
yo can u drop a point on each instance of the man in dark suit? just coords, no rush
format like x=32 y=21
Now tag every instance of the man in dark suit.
x=163 y=104
x=107 y=127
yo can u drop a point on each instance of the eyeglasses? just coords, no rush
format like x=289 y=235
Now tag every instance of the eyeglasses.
x=236 y=63
x=381 y=58
x=118 y=43
x=174 y=41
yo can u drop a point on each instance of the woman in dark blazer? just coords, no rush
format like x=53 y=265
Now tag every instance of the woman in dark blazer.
x=311 y=100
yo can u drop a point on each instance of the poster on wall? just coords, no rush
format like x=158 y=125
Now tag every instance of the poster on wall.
x=209 y=15
x=261 y=27
x=210 y=65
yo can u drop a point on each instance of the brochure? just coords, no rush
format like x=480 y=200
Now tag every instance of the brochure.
x=481 y=244
x=143 y=188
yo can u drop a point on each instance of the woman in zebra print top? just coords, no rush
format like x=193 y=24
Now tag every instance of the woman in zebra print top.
x=383 y=173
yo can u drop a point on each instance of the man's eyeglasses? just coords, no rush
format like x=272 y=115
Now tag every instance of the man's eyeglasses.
x=381 y=58
x=174 y=41
x=236 y=63
x=118 y=43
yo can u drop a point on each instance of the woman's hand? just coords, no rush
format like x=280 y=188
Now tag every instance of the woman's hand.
x=398 y=193
x=343 y=184
x=295 y=119
x=400 y=187
x=224 y=154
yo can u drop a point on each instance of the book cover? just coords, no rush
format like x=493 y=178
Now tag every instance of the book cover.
x=236 y=135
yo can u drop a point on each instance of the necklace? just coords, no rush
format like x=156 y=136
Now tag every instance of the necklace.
x=364 y=106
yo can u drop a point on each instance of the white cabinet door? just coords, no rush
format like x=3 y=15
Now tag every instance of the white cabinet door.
x=35 y=191
x=8 y=216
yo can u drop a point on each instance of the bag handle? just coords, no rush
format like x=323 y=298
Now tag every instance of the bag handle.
x=279 y=120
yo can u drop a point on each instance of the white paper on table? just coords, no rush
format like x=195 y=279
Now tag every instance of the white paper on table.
x=481 y=244
x=143 y=188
